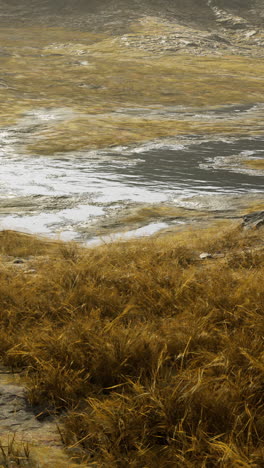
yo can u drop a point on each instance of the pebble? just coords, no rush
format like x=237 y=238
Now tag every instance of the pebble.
x=205 y=255
x=18 y=261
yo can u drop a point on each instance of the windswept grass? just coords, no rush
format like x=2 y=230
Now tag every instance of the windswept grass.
x=99 y=132
x=155 y=355
x=102 y=76
x=145 y=213
x=23 y=245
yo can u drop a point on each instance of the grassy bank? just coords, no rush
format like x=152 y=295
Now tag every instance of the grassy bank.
x=114 y=94
x=155 y=354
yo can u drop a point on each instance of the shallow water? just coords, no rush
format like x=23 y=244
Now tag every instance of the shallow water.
x=94 y=129
x=71 y=195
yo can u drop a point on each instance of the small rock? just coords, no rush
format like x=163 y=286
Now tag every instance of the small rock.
x=18 y=261
x=205 y=255
x=253 y=220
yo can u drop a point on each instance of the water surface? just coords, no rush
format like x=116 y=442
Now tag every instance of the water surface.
x=109 y=126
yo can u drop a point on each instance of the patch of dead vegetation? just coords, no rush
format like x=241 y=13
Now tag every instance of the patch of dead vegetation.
x=155 y=355
x=254 y=163
x=256 y=205
x=100 y=76
x=16 y=244
x=15 y=455
x=108 y=130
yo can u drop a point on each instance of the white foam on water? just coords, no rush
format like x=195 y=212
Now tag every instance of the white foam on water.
x=216 y=203
x=234 y=163
x=60 y=223
x=165 y=143
x=95 y=182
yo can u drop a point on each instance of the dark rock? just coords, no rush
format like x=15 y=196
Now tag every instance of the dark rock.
x=253 y=220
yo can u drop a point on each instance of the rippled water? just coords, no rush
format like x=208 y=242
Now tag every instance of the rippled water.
x=69 y=195
x=93 y=130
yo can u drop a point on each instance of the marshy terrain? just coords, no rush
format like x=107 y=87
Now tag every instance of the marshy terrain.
x=111 y=108
x=120 y=120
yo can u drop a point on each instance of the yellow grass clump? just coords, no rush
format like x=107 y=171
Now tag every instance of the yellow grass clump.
x=154 y=356
x=15 y=455
x=254 y=163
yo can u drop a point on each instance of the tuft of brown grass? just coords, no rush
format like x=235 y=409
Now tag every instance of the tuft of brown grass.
x=15 y=244
x=254 y=163
x=154 y=356
x=15 y=455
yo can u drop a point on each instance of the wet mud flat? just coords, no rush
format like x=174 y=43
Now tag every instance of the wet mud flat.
x=28 y=438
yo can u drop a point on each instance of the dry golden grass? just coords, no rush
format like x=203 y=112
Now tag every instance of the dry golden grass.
x=102 y=76
x=254 y=163
x=256 y=205
x=155 y=355
x=15 y=455
x=100 y=132
x=145 y=213
x=17 y=244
